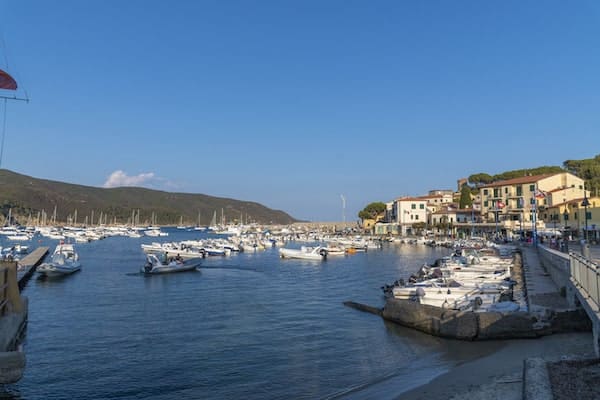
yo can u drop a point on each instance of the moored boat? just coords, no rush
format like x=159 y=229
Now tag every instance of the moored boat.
x=64 y=261
x=304 y=253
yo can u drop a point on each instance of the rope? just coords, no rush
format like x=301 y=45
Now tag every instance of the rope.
x=3 y=133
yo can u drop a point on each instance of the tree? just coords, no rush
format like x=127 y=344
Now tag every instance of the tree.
x=372 y=210
x=480 y=179
x=419 y=227
x=465 y=197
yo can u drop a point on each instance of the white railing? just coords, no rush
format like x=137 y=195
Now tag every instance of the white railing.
x=586 y=276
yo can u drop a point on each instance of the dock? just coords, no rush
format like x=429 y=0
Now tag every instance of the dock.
x=28 y=264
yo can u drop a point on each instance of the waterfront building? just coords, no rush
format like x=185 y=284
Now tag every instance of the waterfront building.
x=568 y=218
x=515 y=205
x=443 y=221
x=402 y=215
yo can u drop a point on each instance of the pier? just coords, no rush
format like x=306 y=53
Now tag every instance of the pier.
x=28 y=264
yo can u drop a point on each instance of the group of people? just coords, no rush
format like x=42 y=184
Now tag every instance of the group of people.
x=178 y=259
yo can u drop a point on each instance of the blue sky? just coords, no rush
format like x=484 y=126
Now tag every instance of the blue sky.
x=293 y=103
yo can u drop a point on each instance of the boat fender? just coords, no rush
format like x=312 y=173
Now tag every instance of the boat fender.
x=323 y=252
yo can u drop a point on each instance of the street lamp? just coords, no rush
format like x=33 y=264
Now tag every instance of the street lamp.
x=585 y=203
x=565 y=239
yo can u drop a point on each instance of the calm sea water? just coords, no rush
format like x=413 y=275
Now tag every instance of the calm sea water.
x=249 y=326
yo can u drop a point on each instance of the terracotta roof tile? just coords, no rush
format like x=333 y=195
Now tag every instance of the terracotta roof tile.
x=519 y=180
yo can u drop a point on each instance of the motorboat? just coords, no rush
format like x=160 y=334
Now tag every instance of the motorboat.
x=64 y=261
x=305 y=253
x=155 y=266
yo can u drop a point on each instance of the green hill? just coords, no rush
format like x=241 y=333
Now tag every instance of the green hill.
x=27 y=196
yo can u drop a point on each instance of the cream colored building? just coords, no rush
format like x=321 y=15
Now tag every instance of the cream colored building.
x=407 y=211
x=516 y=203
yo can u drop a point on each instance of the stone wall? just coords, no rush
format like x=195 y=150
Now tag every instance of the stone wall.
x=469 y=325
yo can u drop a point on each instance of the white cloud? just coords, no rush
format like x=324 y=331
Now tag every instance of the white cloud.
x=120 y=178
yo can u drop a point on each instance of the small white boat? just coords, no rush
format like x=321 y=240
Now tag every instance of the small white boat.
x=64 y=261
x=155 y=232
x=304 y=253
x=155 y=266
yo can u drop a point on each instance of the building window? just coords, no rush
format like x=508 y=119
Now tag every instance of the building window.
x=485 y=203
x=519 y=190
x=422 y=206
x=532 y=188
x=413 y=206
x=485 y=192
x=505 y=190
x=416 y=216
x=496 y=192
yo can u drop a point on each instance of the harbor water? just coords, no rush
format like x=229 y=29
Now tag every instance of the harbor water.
x=249 y=326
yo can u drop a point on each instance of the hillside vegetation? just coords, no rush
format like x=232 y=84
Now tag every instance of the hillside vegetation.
x=26 y=196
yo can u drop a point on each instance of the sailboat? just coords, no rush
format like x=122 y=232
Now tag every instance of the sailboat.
x=213 y=222
x=199 y=227
x=181 y=226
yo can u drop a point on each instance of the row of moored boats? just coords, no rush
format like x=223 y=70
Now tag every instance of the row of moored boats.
x=477 y=279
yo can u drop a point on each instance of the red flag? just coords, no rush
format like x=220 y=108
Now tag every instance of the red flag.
x=7 y=82
x=500 y=204
x=540 y=194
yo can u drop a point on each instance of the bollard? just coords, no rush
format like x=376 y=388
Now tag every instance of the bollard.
x=585 y=250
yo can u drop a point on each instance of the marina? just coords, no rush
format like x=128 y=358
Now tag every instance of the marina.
x=221 y=331
x=242 y=311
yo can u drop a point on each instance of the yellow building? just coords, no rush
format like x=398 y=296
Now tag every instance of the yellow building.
x=570 y=217
x=517 y=204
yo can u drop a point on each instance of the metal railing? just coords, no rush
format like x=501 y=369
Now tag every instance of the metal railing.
x=586 y=276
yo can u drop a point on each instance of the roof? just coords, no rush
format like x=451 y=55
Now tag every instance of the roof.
x=520 y=180
x=410 y=199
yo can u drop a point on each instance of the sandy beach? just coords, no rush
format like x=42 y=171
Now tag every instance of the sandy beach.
x=499 y=375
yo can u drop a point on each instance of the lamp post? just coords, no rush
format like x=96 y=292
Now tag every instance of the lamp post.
x=565 y=237
x=585 y=203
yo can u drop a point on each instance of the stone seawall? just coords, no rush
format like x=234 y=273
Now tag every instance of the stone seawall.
x=469 y=325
